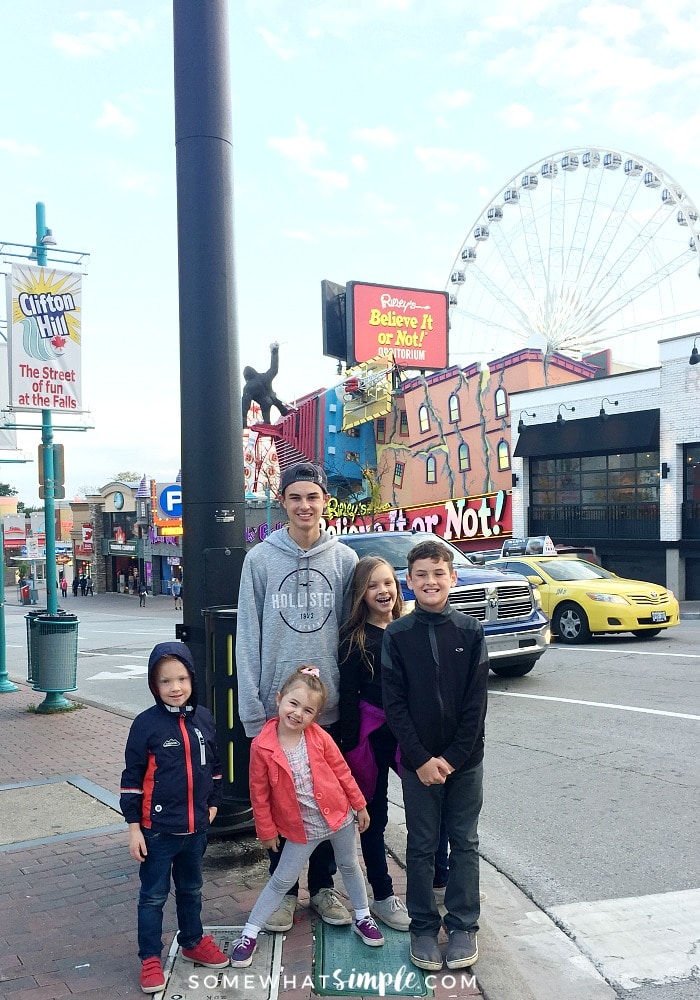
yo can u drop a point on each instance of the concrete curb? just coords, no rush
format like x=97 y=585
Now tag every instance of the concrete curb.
x=522 y=952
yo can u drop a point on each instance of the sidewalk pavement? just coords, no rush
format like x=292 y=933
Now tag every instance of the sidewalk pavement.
x=68 y=899
x=68 y=890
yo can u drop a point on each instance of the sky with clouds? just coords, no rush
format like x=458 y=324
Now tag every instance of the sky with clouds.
x=369 y=137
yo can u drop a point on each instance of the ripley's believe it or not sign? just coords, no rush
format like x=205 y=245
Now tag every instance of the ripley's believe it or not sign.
x=44 y=355
x=461 y=519
x=410 y=324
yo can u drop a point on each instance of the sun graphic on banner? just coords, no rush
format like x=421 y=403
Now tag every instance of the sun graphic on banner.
x=38 y=281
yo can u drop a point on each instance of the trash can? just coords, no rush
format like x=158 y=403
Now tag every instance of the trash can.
x=30 y=618
x=24 y=594
x=221 y=696
x=54 y=652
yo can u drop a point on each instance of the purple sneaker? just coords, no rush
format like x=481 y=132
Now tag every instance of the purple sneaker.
x=369 y=932
x=242 y=951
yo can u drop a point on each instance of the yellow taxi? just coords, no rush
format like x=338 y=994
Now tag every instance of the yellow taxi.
x=581 y=598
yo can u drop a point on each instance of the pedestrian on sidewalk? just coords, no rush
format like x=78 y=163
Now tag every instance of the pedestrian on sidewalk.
x=294 y=595
x=169 y=818
x=434 y=680
x=368 y=744
x=64 y=587
x=301 y=789
x=143 y=590
x=88 y=587
x=176 y=591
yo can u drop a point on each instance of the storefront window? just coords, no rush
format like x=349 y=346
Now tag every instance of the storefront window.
x=594 y=480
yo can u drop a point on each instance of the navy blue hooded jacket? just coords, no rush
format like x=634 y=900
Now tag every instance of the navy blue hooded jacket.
x=172 y=772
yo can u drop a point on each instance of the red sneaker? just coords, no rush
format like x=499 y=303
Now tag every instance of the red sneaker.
x=206 y=953
x=152 y=978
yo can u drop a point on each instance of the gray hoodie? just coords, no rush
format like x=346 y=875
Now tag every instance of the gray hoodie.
x=290 y=607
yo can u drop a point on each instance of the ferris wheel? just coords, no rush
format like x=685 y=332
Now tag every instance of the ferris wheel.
x=584 y=247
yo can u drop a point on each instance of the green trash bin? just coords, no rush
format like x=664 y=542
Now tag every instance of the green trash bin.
x=32 y=633
x=30 y=618
x=221 y=697
x=54 y=652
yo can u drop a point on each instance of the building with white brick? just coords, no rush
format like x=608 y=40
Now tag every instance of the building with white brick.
x=614 y=463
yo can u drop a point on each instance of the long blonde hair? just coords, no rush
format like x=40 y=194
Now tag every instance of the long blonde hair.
x=354 y=631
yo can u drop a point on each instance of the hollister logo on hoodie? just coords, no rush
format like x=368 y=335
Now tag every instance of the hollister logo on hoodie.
x=305 y=600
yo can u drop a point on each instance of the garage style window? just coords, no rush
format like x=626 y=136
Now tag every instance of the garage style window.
x=596 y=479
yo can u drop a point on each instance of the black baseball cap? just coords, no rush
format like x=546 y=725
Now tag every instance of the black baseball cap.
x=304 y=472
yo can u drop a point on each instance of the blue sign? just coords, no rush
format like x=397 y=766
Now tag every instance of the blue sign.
x=170 y=501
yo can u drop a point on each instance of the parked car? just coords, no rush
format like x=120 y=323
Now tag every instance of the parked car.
x=508 y=606
x=582 y=598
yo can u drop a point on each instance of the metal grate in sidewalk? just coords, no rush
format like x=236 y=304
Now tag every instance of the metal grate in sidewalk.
x=345 y=967
x=260 y=981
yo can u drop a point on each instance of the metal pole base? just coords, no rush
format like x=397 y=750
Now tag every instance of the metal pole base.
x=6 y=685
x=54 y=702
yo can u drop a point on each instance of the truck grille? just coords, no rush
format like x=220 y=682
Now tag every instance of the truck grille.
x=494 y=602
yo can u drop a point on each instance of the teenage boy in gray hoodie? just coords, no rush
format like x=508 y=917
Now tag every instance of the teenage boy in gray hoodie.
x=294 y=595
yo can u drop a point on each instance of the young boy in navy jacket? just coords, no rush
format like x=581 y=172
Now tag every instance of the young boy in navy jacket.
x=170 y=793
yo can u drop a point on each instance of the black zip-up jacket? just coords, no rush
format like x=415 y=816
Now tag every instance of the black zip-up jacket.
x=172 y=772
x=434 y=680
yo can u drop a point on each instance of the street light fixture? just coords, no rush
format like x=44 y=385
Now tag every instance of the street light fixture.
x=603 y=416
x=562 y=420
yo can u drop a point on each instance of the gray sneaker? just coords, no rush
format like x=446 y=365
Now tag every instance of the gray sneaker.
x=425 y=952
x=392 y=912
x=462 y=950
x=330 y=908
x=283 y=917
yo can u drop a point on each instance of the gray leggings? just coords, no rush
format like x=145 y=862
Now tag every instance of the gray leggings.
x=294 y=857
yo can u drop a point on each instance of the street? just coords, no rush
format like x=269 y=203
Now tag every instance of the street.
x=115 y=638
x=591 y=781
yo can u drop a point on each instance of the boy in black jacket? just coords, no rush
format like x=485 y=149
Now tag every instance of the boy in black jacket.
x=434 y=679
x=170 y=793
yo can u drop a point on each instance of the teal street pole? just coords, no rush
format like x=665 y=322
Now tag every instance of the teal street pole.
x=54 y=700
x=6 y=685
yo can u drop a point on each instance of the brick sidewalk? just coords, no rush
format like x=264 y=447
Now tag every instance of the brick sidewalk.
x=69 y=903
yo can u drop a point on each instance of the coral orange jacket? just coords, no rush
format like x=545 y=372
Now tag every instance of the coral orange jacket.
x=272 y=791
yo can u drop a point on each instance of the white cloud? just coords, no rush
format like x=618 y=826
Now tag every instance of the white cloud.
x=612 y=19
x=451 y=100
x=19 y=148
x=300 y=235
x=278 y=44
x=359 y=162
x=108 y=30
x=442 y=160
x=379 y=136
x=127 y=178
x=331 y=179
x=299 y=149
x=517 y=116
x=113 y=119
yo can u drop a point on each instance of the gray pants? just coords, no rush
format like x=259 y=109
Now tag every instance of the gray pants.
x=294 y=857
x=460 y=800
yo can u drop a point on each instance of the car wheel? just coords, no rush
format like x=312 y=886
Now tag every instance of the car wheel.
x=647 y=633
x=515 y=669
x=570 y=623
